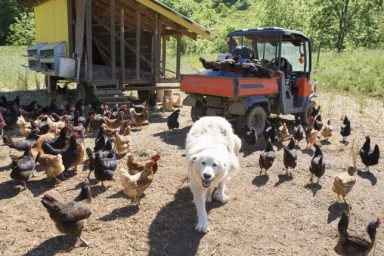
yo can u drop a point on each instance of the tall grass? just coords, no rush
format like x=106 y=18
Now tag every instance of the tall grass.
x=13 y=76
x=358 y=72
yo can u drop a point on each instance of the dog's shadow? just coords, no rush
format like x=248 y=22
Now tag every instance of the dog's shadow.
x=173 y=232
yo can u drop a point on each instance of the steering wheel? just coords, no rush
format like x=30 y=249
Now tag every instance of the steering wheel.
x=286 y=68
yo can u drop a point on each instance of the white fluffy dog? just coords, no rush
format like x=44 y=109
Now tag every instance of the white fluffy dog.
x=212 y=150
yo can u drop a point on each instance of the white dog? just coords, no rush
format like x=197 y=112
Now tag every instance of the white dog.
x=212 y=150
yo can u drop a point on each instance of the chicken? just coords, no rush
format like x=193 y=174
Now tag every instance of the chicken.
x=344 y=182
x=318 y=123
x=215 y=65
x=135 y=185
x=369 y=157
x=315 y=111
x=57 y=125
x=23 y=167
x=25 y=127
x=283 y=132
x=267 y=157
x=270 y=132
x=249 y=135
x=116 y=109
x=317 y=166
x=311 y=137
x=172 y=121
x=290 y=156
x=327 y=130
x=298 y=131
x=23 y=145
x=69 y=217
x=100 y=140
x=135 y=166
x=103 y=163
x=96 y=120
x=71 y=154
x=2 y=124
x=351 y=244
x=30 y=107
x=139 y=118
x=114 y=123
x=59 y=143
x=80 y=158
x=10 y=115
x=123 y=141
x=51 y=164
x=109 y=131
x=345 y=129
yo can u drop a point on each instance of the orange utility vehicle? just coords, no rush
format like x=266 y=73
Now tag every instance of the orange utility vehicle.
x=249 y=100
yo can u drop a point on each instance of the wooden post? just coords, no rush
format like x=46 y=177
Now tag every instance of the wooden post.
x=157 y=42
x=138 y=42
x=122 y=50
x=163 y=56
x=178 y=54
x=113 y=40
x=79 y=35
x=89 y=39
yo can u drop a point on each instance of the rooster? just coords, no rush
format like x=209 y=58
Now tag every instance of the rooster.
x=135 y=185
x=369 y=157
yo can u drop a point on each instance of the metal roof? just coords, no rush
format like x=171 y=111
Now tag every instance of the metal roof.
x=287 y=34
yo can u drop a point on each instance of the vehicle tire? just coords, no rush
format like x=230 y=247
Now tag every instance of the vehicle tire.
x=256 y=117
x=308 y=110
x=198 y=111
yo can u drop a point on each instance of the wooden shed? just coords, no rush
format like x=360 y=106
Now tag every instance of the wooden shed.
x=121 y=43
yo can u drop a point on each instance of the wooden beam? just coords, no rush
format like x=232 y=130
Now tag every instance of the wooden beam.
x=163 y=56
x=70 y=30
x=122 y=48
x=178 y=55
x=138 y=42
x=89 y=38
x=79 y=35
x=113 y=40
x=157 y=49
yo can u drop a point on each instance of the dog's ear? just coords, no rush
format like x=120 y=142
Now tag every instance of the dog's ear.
x=192 y=158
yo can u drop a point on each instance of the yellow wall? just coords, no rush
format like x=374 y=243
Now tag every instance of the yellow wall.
x=51 y=21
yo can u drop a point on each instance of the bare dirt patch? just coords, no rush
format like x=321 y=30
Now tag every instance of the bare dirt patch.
x=267 y=215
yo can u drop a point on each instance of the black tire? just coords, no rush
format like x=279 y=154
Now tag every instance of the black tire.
x=198 y=111
x=308 y=110
x=256 y=117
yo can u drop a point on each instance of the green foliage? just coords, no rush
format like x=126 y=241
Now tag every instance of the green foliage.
x=22 y=32
x=9 y=9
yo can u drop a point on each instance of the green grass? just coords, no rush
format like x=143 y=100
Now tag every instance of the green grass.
x=358 y=72
x=13 y=76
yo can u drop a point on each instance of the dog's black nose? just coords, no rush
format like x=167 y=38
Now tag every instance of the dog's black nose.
x=207 y=176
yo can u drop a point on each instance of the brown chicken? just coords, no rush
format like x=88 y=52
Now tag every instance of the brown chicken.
x=114 y=123
x=123 y=141
x=327 y=130
x=70 y=217
x=135 y=166
x=344 y=182
x=350 y=243
x=134 y=185
x=52 y=164
x=57 y=125
x=311 y=137
x=25 y=127
x=283 y=132
x=139 y=119
x=80 y=158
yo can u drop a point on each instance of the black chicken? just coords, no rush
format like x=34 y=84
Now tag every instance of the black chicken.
x=270 y=132
x=103 y=163
x=290 y=156
x=23 y=167
x=249 y=135
x=100 y=140
x=318 y=124
x=70 y=217
x=350 y=243
x=317 y=166
x=214 y=65
x=267 y=157
x=315 y=112
x=59 y=145
x=369 y=157
x=345 y=129
x=23 y=145
x=10 y=115
x=298 y=131
x=172 y=121
x=71 y=153
x=29 y=107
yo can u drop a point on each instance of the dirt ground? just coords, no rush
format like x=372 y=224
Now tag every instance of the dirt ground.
x=267 y=215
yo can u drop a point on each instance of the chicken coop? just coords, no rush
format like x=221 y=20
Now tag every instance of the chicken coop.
x=115 y=44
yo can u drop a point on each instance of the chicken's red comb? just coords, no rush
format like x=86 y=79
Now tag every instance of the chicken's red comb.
x=156 y=157
x=378 y=221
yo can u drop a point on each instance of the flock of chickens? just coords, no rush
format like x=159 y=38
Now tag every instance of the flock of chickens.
x=349 y=242
x=54 y=140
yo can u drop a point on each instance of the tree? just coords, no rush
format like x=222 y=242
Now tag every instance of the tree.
x=9 y=9
x=22 y=32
